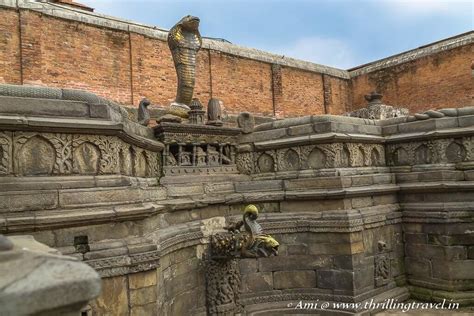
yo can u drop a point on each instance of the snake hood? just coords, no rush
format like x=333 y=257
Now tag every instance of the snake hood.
x=184 y=41
x=185 y=34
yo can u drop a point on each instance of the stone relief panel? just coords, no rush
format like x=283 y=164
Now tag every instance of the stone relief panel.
x=448 y=150
x=36 y=154
x=288 y=159
x=5 y=153
x=382 y=267
x=265 y=162
x=40 y=154
x=86 y=158
x=109 y=151
x=317 y=159
x=455 y=152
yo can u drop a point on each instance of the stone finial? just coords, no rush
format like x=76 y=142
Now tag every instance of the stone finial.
x=214 y=113
x=374 y=97
x=246 y=122
x=196 y=114
x=143 y=112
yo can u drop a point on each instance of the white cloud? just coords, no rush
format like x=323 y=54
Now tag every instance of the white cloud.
x=321 y=50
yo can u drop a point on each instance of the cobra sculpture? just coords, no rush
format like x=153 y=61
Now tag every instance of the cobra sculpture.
x=184 y=41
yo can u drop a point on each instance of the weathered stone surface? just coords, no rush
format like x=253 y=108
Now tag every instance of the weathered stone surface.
x=294 y=279
x=335 y=279
x=142 y=279
x=143 y=296
x=255 y=282
x=248 y=266
x=300 y=262
x=144 y=310
x=453 y=270
x=114 y=297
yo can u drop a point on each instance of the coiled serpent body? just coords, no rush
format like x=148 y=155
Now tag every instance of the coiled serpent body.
x=184 y=42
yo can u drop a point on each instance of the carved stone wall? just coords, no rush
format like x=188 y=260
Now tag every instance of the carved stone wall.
x=432 y=151
x=54 y=154
x=323 y=156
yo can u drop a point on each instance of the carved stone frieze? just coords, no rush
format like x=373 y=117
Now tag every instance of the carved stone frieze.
x=447 y=150
x=335 y=155
x=39 y=154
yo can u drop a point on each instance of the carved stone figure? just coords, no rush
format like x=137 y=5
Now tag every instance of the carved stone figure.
x=184 y=41
x=212 y=156
x=214 y=112
x=246 y=122
x=143 y=112
x=200 y=157
x=185 y=158
x=376 y=110
x=251 y=243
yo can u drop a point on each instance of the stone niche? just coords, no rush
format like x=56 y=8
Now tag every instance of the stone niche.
x=197 y=149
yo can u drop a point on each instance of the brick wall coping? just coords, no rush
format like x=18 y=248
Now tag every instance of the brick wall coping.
x=422 y=51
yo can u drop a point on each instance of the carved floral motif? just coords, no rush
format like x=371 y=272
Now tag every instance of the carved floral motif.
x=5 y=152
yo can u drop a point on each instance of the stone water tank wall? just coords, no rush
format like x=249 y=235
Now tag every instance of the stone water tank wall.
x=362 y=209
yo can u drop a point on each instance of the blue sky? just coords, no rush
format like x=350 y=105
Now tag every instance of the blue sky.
x=338 y=33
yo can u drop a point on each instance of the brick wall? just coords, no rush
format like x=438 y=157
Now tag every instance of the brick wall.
x=435 y=81
x=126 y=66
x=10 y=71
x=62 y=53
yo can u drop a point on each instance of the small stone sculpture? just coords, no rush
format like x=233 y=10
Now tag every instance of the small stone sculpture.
x=196 y=115
x=143 y=112
x=184 y=41
x=376 y=110
x=246 y=122
x=214 y=113
x=251 y=243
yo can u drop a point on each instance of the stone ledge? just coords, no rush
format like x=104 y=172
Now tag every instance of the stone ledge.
x=277 y=300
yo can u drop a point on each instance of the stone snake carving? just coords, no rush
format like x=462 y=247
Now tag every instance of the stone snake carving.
x=184 y=41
